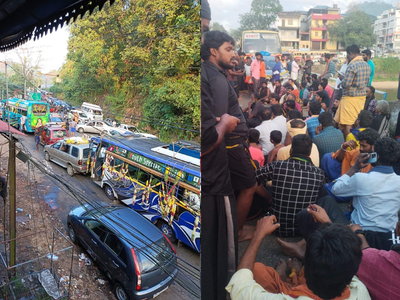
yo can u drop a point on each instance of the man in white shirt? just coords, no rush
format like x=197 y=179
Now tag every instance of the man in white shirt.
x=331 y=262
x=295 y=70
x=376 y=194
x=265 y=129
x=280 y=120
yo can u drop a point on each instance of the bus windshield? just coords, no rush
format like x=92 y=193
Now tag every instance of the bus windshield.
x=257 y=42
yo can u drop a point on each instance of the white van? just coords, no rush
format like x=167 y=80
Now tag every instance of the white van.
x=93 y=111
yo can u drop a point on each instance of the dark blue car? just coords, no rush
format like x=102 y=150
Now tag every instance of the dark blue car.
x=136 y=256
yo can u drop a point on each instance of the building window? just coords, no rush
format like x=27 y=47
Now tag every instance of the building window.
x=290 y=22
x=331 y=42
x=316 y=33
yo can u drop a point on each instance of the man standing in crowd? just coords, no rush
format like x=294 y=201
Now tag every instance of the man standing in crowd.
x=263 y=75
x=256 y=72
x=337 y=93
x=72 y=125
x=265 y=129
x=276 y=70
x=294 y=70
x=23 y=121
x=330 y=68
x=370 y=101
x=219 y=217
x=354 y=84
x=307 y=67
x=366 y=54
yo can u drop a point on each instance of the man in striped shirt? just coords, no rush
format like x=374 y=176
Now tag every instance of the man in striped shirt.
x=354 y=84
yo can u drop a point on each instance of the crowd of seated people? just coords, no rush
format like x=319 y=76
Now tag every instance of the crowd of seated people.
x=309 y=166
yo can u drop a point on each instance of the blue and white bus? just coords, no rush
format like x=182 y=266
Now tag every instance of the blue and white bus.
x=33 y=110
x=160 y=181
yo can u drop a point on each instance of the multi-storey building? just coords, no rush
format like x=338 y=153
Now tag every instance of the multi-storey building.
x=387 y=30
x=308 y=31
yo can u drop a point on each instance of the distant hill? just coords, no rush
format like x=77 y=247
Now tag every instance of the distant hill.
x=373 y=8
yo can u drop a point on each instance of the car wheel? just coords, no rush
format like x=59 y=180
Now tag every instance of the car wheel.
x=80 y=130
x=167 y=230
x=47 y=156
x=72 y=234
x=70 y=170
x=120 y=292
x=109 y=192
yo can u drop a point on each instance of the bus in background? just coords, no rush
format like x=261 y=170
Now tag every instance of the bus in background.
x=261 y=40
x=162 y=182
x=33 y=111
x=254 y=41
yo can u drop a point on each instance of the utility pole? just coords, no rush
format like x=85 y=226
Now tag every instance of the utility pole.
x=12 y=181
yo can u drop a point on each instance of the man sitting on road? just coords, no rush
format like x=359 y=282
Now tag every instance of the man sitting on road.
x=312 y=122
x=376 y=194
x=265 y=129
x=296 y=127
x=328 y=139
x=364 y=120
x=339 y=163
x=332 y=259
x=296 y=183
x=279 y=119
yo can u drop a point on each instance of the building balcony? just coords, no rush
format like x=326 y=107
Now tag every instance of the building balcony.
x=319 y=28
x=288 y=27
x=319 y=40
x=325 y=17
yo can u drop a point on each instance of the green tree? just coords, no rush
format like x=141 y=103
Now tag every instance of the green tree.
x=355 y=29
x=262 y=14
x=218 y=26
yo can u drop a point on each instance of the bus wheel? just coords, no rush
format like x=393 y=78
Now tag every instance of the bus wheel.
x=167 y=230
x=109 y=192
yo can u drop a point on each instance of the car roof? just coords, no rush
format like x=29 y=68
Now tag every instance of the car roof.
x=55 y=127
x=124 y=220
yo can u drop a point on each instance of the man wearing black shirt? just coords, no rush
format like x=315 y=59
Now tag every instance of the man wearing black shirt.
x=218 y=205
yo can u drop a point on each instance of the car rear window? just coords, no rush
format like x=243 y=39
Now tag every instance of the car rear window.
x=60 y=133
x=86 y=152
x=155 y=255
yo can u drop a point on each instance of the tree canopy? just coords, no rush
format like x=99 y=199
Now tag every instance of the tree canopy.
x=139 y=58
x=218 y=26
x=262 y=15
x=355 y=29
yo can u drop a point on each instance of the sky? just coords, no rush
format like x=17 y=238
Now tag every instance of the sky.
x=52 y=49
x=227 y=12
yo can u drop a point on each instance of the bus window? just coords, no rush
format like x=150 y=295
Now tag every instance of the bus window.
x=133 y=171
x=118 y=164
x=143 y=177
x=154 y=181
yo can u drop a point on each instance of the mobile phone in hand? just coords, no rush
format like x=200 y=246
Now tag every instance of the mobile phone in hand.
x=373 y=157
x=312 y=207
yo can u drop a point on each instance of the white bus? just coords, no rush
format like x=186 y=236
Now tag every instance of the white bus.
x=93 y=111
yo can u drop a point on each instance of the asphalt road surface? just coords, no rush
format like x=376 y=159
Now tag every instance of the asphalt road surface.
x=62 y=203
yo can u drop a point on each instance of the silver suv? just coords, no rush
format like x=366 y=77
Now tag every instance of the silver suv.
x=70 y=153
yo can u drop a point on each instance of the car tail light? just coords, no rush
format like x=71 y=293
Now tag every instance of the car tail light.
x=80 y=162
x=137 y=269
x=169 y=242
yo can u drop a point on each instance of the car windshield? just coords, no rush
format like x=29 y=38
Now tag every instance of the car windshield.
x=269 y=64
x=97 y=112
x=60 y=133
x=54 y=119
x=83 y=115
x=155 y=255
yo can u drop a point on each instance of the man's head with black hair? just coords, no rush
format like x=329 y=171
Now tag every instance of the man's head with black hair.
x=290 y=104
x=367 y=139
x=291 y=96
x=277 y=58
x=366 y=54
x=301 y=144
x=275 y=137
x=266 y=114
x=297 y=123
x=333 y=256
x=274 y=99
x=370 y=91
x=325 y=119
x=352 y=52
x=276 y=110
x=304 y=84
x=294 y=114
x=255 y=96
x=218 y=48
x=327 y=56
x=364 y=119
x=277 y=82
x=254 y=135
x=321 y=85
x=314 y=77
x=388 y=151
x=288 y=87
x=315 y=107
x=205 y=18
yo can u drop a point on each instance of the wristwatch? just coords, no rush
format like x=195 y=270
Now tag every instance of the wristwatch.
x=359 y=231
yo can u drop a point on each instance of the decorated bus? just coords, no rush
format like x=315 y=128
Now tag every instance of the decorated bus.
x=160 y=181
x=34 y=111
